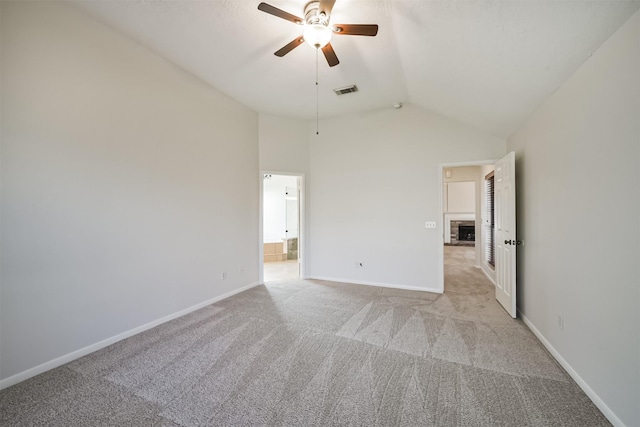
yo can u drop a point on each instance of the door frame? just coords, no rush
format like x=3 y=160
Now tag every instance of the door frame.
x=301 y=223
x=441 y=169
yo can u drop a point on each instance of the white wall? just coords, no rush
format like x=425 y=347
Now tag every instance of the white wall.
x=127 y=186
x=1 y=161
x=578 y=177
x=375 y=181
x=284 y=144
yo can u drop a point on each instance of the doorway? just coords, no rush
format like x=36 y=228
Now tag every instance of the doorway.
x=466 y=226
x=281 y=226
x=502 y=277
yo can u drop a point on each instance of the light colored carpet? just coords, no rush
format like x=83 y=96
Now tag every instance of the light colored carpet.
x=314 y=353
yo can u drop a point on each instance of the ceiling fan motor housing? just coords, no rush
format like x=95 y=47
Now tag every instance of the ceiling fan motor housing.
x=313 y=16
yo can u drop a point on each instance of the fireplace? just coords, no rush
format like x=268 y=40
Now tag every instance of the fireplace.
x=452 y=222
x=467 y=233
x=463 y=232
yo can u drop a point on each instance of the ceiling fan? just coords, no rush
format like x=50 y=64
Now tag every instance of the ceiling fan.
x=317 y=31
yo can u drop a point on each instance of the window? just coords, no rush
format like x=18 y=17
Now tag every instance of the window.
x=489 y=221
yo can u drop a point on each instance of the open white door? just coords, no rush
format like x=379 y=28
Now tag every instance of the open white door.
x=506 y=243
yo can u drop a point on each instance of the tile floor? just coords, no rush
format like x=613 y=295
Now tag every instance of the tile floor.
x=280 y=270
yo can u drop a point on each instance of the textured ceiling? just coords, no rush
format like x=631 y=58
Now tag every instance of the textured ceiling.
x=488 y=63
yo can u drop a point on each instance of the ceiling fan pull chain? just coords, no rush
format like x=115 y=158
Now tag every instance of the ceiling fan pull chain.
x=317 y=95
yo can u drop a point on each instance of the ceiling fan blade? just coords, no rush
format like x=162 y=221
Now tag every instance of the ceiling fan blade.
x=356 y=29
x=326 y=6
x=331 y=56
x=272 y=10
x=289 y=47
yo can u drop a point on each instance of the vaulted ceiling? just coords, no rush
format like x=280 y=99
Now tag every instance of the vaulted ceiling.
x=487 y=63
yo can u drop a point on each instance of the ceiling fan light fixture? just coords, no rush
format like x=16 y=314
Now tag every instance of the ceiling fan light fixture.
x=316 y=30
x=317 y=35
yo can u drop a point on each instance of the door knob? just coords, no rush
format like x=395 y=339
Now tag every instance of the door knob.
x=513 y=242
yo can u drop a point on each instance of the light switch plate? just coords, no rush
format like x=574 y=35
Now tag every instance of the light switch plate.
x=430 y=224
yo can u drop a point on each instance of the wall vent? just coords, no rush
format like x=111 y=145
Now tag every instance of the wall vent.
x=345 y=90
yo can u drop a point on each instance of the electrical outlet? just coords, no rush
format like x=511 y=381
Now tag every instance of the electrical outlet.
x=560 y=322
x=430 y=224
x=223 y=275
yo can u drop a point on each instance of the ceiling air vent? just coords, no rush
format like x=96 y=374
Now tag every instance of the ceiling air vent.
x=345 y=90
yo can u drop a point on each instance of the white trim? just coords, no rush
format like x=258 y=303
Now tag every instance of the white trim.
x=440 y=252
x=380 y=285
x=301 y=223
x=59 y=361
x=611 y=416
x=261 y=230
x=487 y=274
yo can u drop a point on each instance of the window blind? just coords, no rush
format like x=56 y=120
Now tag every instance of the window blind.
x=489 y=223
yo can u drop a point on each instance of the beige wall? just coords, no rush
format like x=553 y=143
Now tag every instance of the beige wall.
x=128 y=186
x=461 y=196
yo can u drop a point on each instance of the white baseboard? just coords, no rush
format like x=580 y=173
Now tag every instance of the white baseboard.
x=37 y=370
x=381 y=285
x=486 y=274
x=611 y=416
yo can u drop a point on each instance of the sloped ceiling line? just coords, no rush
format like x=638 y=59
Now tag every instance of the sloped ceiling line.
x=487 y=63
